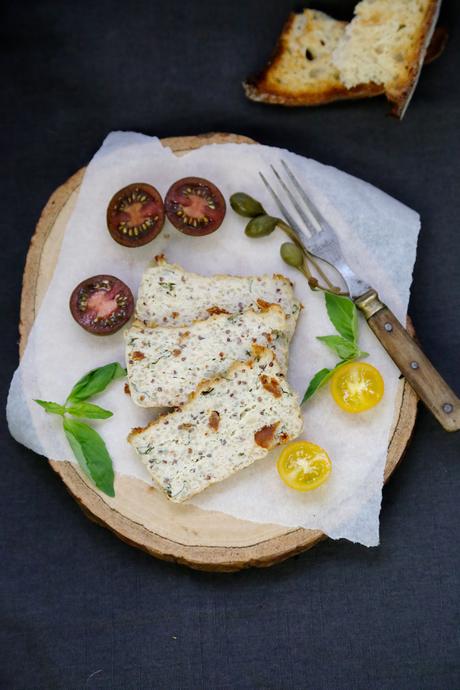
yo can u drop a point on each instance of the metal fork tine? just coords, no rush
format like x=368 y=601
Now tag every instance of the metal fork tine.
x=307 y=219
x=279 y=203
x=311 y=206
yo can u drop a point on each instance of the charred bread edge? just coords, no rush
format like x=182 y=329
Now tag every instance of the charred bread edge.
x=401 y=104
x=256 y=90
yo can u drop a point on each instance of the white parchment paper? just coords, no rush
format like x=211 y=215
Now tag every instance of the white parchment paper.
x=379 y=236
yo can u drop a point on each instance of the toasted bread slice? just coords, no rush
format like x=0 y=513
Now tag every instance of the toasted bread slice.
x=227 y=424
x=170 y=296
x=302 y=70
x=166 y=364
x=385 y=44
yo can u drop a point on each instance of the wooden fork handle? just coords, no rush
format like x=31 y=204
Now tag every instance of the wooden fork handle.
x=409 y=358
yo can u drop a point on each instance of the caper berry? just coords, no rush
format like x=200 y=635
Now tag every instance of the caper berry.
x=261 y=226
x=245 y=205
x=292 y=255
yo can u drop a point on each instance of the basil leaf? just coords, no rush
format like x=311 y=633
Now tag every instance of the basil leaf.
x=51 y=407
x=76 y=447
x=318 y=380
x=91 y=453
x=341 y=346
x=95 y=381
x=343 y=314
x=88 y=410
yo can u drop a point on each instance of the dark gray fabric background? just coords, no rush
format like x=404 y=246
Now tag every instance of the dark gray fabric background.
x=81 y=609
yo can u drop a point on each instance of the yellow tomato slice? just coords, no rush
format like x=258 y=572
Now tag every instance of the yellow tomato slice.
x=304 y=466
x=357 y=386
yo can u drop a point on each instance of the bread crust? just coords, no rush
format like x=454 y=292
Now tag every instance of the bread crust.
x=437 y=44
x=402 y=99
x=257 y=91
x=258 y=88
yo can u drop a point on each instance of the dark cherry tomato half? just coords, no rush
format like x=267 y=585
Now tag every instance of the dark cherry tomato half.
x=102 y=304
x=135 y=215
x=195 y=206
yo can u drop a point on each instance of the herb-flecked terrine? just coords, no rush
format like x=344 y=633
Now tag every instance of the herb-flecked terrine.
x=170 y=296
x=166 y=364
x=227 y=424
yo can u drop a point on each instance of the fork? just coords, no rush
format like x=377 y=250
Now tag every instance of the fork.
x=322 y=241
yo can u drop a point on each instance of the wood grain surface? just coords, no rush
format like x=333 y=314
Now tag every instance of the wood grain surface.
x=138 y=514
x=417 y=368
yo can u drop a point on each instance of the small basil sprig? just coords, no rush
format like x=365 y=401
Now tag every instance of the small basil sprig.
x=87 y=445
x=87 y=410
x=344 y=316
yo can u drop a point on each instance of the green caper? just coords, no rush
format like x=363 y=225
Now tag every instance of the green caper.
x=292 y=255
x=245 y=205
x=261 y=226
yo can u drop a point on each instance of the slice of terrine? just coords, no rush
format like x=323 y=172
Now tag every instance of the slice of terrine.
x=166 y=364
x=170 y=296
x=227 y=424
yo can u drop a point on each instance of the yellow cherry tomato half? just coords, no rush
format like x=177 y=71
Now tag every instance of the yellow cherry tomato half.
x=357 y=386
x=304 y=466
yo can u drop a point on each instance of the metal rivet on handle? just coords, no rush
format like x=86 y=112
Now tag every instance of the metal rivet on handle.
x=388 y=327
x=448 y=408
x=414 y=365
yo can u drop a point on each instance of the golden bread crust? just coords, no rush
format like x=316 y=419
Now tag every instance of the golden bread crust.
x=287 y=81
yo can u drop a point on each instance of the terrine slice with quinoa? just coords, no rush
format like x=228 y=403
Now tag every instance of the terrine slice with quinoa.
x=166 y=364
x=170 y=296
x=228 y=423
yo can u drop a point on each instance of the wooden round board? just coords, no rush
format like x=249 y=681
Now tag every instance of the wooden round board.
x=138 y=514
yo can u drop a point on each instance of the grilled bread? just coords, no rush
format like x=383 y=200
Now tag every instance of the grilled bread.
x=385 y=44
x=306 y=68
x=227 y=424
x=170 y=296
x=166 y=364
x=301 y=72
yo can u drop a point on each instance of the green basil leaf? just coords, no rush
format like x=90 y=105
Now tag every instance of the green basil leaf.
x=88 y=410
x=341 y=346
x=318 y=380
x=75 y=445
x=91 y=453
x=51 y=407
x=343 y=314
x=95 y=381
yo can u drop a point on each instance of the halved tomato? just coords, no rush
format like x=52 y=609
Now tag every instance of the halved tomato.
x=102 y=304
x=357 y=386
x=195 y=206
x=135 y=215
x=304 y=466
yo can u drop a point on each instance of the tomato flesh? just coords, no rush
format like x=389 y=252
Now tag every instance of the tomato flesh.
x=304 y=466
x=102 y=304
x=135 y=215
x=195 y=206
x=357 y=387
